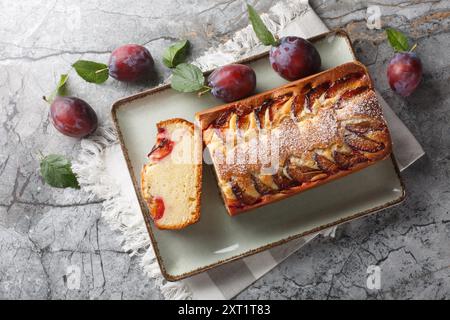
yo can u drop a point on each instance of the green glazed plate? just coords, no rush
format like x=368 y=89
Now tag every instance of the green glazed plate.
x=218 y=238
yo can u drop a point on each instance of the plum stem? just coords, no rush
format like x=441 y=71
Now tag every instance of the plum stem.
x=204 y=90
x=413 y=47
x=49 y=100
x=277 y=41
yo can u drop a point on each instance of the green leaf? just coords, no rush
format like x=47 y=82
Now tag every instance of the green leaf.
x=57 y=172
x=59 y=90
x=187 y=78
x=175 y=54
x=397 y=40
x=61 y=87
x=263 y=34
x=91 y=71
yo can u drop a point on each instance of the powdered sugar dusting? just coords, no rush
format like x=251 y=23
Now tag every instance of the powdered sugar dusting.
x=363 y=105
x=316 y=131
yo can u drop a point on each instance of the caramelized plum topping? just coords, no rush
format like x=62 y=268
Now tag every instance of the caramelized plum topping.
x=350 y=94
x=361 y=143
x=325 y=164
x=346 y=161
x=364 y=127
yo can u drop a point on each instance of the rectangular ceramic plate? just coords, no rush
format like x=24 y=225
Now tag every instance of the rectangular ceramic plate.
x=218 y=238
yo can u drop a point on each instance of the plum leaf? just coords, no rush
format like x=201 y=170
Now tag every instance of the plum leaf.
x=57 y=172
x=175 y=54
x=187 y=78
x=91 y=71
x=261 y=31
x=60 y=88
x=397 y=40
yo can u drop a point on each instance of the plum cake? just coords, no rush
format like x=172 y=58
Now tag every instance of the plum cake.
x=296 y=137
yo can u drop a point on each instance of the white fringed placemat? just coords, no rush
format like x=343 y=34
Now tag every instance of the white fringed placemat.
x=102 y=171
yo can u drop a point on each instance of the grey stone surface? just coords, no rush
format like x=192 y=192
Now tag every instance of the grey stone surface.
x=43 y=230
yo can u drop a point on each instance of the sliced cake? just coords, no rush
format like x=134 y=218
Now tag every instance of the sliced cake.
x=171 y=181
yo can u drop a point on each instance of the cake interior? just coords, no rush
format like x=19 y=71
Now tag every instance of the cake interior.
x=174 y=179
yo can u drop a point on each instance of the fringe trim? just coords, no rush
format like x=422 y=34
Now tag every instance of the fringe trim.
x=117 y=210
x=91 y=170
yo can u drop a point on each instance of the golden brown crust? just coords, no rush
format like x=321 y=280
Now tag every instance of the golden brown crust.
x=330 y=125
x=181 y=121
x=198 y=186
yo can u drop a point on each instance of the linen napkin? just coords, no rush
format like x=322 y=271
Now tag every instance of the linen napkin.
x=102 y=170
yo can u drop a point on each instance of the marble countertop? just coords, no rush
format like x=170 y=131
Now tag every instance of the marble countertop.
x=42 y=230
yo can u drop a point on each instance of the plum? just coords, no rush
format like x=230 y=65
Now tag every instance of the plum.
x=404 y=73
x=73 y=117
x=232 y=82
x=157 y=208
x=294 y=58
x=131 y=63
x=291 y=57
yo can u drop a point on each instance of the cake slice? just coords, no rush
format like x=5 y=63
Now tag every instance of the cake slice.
x=171 y=180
